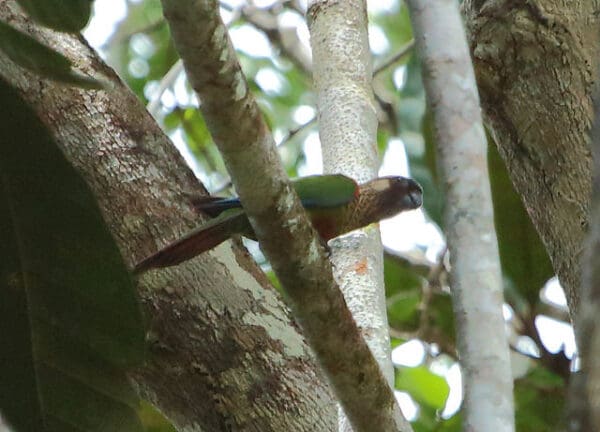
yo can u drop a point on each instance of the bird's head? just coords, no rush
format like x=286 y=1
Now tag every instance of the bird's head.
x=395 y=194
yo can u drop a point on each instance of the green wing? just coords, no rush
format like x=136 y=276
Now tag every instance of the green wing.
x=325 y=191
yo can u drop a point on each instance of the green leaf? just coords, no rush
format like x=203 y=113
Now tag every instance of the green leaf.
x=539 y=401
x=403 y=282
x=401 y=274
x=144 y=18
x=153 y=419
x=417 y=134
x=441 y=317
x=69 y=315
x=68 y=16
x=429 y=420
x=522 y=255
x=424 y=386
x=29 y=53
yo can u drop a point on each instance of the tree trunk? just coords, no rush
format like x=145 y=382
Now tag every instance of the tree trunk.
x=342 y=76
x=535 y=63
x=476 y=276
x=224 y=351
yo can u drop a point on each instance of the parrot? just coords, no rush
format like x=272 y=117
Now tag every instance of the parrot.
x=335 y=203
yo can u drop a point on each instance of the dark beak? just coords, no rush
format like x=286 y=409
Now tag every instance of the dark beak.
x=414 y=196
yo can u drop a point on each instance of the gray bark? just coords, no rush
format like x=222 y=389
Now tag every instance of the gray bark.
x=475 y=277
x=342 y=73
x=225 y=353
x=277 y=217
x=348 y=132
x=535 y=63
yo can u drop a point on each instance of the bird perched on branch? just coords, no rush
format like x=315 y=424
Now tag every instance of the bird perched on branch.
x=336 y=205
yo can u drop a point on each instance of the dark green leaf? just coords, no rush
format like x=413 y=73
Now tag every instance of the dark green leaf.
x=68 y=16
x=417 y=134
x=29 y=53
x=522 y=254
x=153 y=420
x=441 y=318
x=401 y=275
x=69 y=314
x=403 y=282
x=539 y=401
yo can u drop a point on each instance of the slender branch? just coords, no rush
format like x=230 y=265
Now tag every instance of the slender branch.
x=286 y=40
x=428 y=287
x=124 y=38
x=403 y=51
x=283 y=230
x=166 y=82
x=226 y=183
x=297 y=130
x=475 y=276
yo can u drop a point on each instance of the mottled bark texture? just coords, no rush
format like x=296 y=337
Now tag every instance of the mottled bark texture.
x=475 y=278
x=535 y=64
x=224 y=352
x=281 y=226
x=348 y=132
x=342 y=74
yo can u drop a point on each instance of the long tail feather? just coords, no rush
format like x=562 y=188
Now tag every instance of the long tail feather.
x=200 y=240
x=214 y=206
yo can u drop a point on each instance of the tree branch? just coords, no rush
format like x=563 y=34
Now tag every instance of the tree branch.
x=286 y=237
x=348 y=130
x=475 y=265
x=396 y=57
x=166 y=82
x=535 y=63
x=285 y=38
x=224 y=352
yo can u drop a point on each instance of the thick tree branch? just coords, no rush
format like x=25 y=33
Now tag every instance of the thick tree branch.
x=535 y=63
x=286 y=237
x=475 y=275
x=224 y=352
x=348 y=132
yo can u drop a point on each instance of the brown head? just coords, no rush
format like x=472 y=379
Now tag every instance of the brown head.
x=388 y=196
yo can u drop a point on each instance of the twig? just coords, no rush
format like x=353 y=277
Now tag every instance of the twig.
x=427 y=288
x=395 y=58
x=166 y=82
x=119 y=39
x=288 y=43
x=295 y=131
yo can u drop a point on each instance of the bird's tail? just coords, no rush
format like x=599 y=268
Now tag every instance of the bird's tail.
x=203 y=238
x=214 y=206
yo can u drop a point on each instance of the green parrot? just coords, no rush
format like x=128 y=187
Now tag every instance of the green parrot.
x=336 y=205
